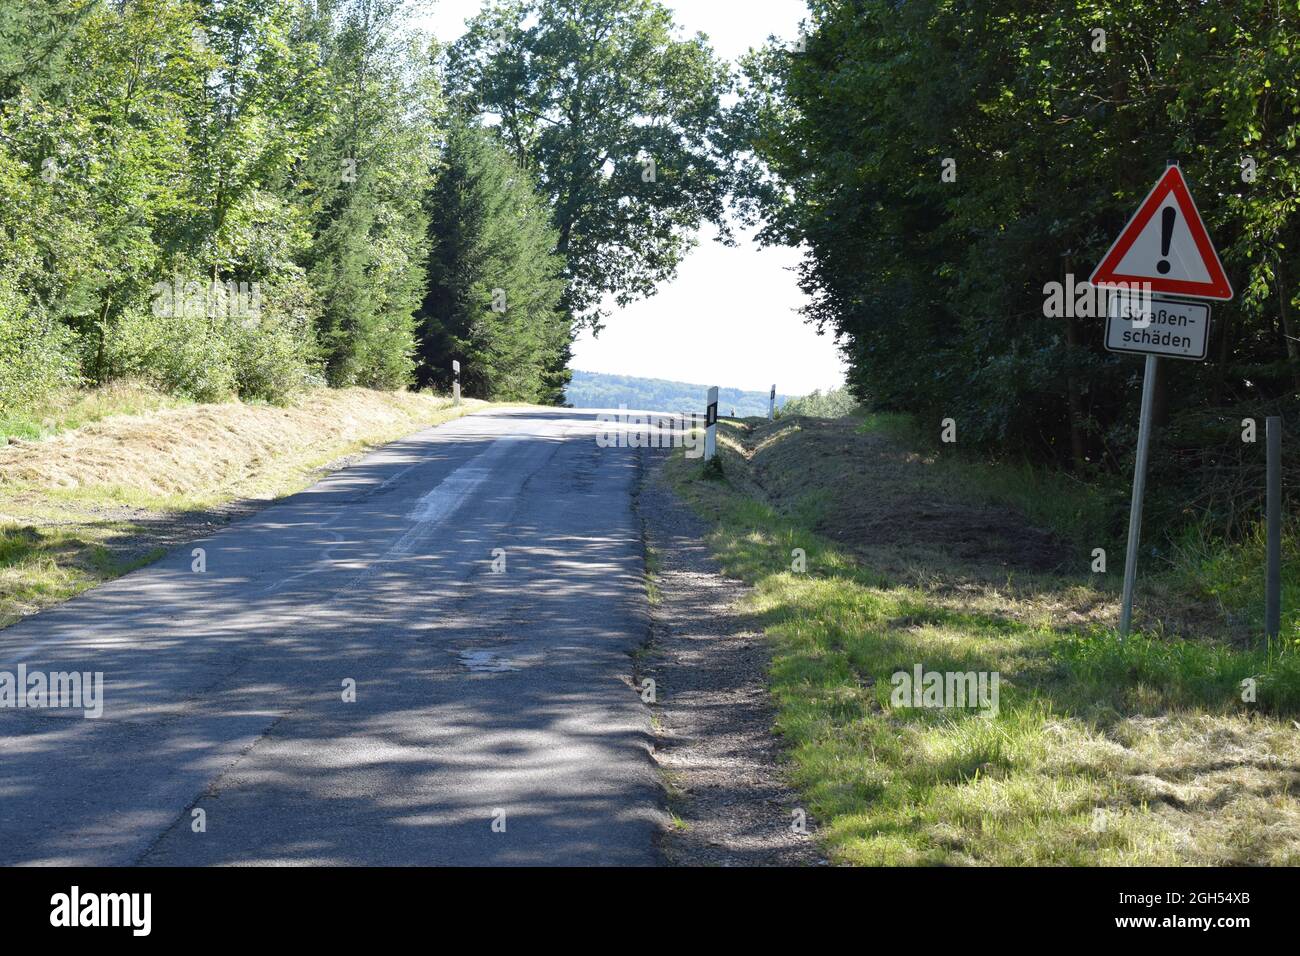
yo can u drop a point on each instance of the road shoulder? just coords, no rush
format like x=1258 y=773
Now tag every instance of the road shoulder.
x=721 y=764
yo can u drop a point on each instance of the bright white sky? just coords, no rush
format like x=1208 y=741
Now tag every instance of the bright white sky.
x=731 y=316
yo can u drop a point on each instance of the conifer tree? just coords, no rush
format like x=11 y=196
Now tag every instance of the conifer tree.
x=495 y=283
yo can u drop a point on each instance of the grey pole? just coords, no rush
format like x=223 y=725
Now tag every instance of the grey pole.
x=1139 y=488
x=455 y=385
x=1273 y=579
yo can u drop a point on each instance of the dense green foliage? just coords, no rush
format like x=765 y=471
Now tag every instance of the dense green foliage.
x=936 y=284
x=835 y=403
x=367 y=171
x=176 y=204
x=495 y=283
x=619 y=119
x=240 y=197
x=601 y=390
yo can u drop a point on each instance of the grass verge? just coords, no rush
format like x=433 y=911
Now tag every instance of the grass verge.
x=1100 y=752
x=86 y=504
x=72 y=408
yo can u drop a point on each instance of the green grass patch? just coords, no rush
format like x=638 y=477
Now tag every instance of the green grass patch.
x=73 y=408
x=1102 y=670
x=652 y=576
x=1193 y=565
x=1083 y=512
x=40 y=566
x=1100 y=752
x=1232 y=575
x=896 y=425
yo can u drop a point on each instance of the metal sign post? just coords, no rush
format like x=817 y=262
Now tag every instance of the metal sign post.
x=711 y=425
x=1164 y=250
x=1139 y=488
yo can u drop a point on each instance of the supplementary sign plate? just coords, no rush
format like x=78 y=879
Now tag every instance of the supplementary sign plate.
x=1151 y=325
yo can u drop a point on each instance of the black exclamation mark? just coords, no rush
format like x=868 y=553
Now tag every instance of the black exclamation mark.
x=1169 y=216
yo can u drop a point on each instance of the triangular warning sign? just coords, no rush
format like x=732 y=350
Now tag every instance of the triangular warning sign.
x=1165 y=245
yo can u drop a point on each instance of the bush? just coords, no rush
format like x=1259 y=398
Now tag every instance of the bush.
x=385 y=354
x=275 y=354
x=836 y=403
x=183 y=354
x=260 y=346
x=36 y=355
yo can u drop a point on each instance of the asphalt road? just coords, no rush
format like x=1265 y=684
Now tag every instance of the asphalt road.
x=476 y=692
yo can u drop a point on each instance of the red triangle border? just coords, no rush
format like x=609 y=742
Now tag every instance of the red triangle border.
x=1172 y=181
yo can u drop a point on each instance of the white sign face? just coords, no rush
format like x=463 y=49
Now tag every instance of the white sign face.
x=1165 y=248
x=1149 y=325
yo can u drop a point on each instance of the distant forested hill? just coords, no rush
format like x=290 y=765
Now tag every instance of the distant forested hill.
x=598 y=390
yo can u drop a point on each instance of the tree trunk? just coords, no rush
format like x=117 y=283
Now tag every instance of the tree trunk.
x=1074 y=395
x=1288 y=329
x=99 y=349
x=1226 y=338
x=1078 y=451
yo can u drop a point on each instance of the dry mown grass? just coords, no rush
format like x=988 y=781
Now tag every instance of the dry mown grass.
x=1102 y=752
x=213 y=451
x=90 y=504
x=68 y=408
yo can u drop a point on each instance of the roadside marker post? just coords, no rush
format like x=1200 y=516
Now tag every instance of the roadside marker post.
x=455 y=382
x=1165 y=250
x=711 y=425
x=771 y=405
x=1273 y=494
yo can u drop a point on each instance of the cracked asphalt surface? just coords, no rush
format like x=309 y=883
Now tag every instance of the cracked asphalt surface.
x=476 y=692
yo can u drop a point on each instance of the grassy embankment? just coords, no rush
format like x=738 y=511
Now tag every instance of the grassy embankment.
x=98 y=483
x=1101 y=751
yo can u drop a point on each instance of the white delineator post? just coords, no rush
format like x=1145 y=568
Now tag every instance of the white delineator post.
x=771 y=404
x=711 y=425
x=455 y=383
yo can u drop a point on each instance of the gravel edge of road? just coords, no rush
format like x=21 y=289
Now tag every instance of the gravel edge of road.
x=717 y=755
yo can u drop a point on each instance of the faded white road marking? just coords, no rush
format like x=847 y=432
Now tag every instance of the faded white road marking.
x=444 y=499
